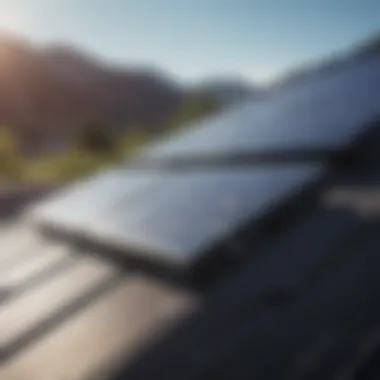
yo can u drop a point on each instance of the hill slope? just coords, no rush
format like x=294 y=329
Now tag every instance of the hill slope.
x=48 y=93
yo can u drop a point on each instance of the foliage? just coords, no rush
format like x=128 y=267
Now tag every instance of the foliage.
x=10 y=158
x=132 y=141
x=93 y=149
x=195 y=108
x=95 y=138
x=67 y=166
x=80 y=161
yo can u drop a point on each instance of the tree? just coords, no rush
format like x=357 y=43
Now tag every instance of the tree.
x=10 y=158
x=133 y=140
x=95 y=138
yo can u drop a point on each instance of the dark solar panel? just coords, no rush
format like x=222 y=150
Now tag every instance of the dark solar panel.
x=177 y=215
x=186 y=212
x=325 y=112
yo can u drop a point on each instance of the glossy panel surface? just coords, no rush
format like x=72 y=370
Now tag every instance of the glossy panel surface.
x=77 y=204
x=324 y=112
x=189 y=211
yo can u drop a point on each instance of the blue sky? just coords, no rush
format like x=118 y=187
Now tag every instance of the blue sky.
x=195 y=39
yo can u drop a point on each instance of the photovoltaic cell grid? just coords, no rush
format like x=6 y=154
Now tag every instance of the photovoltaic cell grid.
x=174 y=216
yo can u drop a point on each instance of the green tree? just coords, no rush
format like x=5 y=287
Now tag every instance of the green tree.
x=133 y=140
x=95 y=138
x=10 y=157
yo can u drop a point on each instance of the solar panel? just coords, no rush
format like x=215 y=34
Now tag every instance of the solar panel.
x=325 y=112
x=184 y=213
x=175 y=216
x=87 y=199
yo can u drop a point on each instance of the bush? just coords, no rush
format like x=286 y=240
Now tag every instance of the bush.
x=95 y=138
x=132 y=141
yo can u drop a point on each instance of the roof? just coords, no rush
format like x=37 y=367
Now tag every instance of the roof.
x=299 y=301
x=305 y=304
x=303 y=308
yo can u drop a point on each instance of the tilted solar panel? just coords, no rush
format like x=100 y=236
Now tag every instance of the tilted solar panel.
x=176 y=215
x=325 y=112
x=175 y=219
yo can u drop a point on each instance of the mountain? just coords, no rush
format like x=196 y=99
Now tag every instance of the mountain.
x=48 y=93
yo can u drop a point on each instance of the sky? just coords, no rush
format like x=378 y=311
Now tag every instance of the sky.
x=198 y=39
